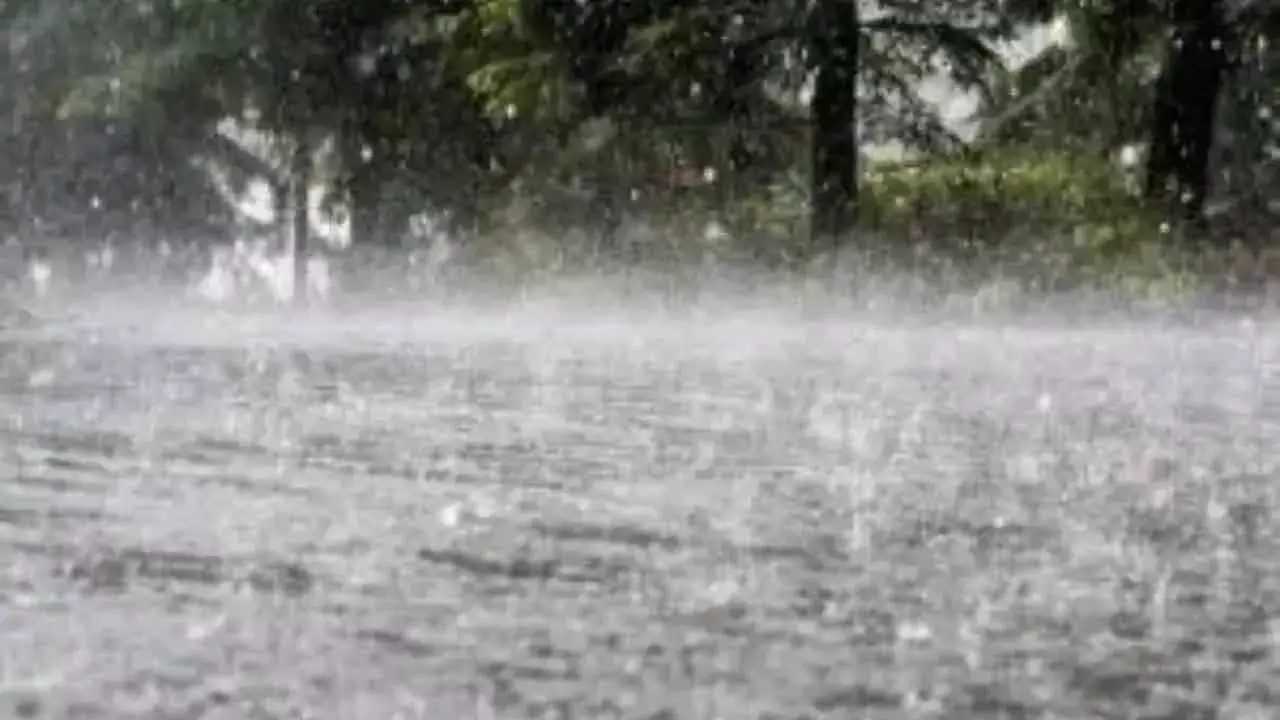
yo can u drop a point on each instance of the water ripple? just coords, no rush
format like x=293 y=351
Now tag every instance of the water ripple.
x=848 y=521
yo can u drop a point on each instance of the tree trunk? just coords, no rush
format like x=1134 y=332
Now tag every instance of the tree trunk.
x=281 y=191
x=742 y=74
x=363 y=193
x=835 y=33
x=1186 y=104
x=366 y=225
x=300 y=180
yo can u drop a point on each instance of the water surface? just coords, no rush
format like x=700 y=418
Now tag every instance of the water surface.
x=402 y=512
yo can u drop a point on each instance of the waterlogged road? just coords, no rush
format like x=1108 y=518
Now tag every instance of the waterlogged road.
x=209 y=515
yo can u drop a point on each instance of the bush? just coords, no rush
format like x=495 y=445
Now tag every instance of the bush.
x=1049 y=221
x=1052 y=219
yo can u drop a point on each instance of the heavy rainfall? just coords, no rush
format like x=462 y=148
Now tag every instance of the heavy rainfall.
x=645 y=360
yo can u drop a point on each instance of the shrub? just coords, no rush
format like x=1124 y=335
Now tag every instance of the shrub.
x=1050 y=221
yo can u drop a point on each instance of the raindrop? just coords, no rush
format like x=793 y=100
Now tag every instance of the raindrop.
x=451 y=515
x=1130 y=156
x=1044 y=403
x=41 y=273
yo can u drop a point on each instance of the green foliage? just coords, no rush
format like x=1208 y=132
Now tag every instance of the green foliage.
x=1091 y=87
x=993 y=191
x=562 y=132
x=1054 y=221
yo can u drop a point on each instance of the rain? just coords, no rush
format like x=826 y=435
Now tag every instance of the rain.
x=653 y=361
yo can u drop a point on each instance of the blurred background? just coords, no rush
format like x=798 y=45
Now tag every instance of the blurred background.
x=1064 y=139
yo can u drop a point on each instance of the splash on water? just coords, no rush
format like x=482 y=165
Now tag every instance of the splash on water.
x=40 y=274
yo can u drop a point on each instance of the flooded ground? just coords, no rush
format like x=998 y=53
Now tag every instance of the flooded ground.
x=403 y=513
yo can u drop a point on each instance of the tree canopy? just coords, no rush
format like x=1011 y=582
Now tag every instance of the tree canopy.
x=587 y=113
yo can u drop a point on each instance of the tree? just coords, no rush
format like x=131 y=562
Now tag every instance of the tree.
x=1186 y=106
x=836 y=37
x=915 y=39
x=730 y=70
x=587 y=111
x=1140 y=71
x=100 y=138
x=1089 y=88
x=1213 y=45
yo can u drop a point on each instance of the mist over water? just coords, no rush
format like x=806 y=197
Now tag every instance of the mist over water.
x=733 y=504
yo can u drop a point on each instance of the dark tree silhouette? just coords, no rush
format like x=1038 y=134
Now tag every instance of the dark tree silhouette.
x=1185 y=108
x=834 y=48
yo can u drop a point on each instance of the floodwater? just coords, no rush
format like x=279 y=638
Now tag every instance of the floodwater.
x=412 y=513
